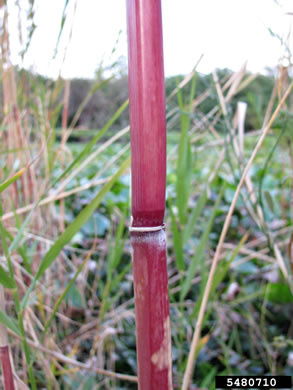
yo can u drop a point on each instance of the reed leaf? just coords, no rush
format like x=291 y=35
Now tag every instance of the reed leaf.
x=72 y=229
x=86 y=150
x=9 y=322
x=177 y=240
x=200 y=249
x=191 y=223
x=65 y=292
x=184 y=171
x=5 y=279
x=12 y=179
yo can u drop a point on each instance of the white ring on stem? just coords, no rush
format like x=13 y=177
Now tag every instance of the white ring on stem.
x=147 y=229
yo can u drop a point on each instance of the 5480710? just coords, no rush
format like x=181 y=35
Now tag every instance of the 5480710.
x=253 y=382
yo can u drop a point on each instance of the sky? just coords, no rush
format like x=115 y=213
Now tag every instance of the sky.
x=223 y=33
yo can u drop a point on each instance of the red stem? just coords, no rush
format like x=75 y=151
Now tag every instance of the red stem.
x=6 y=368
x=147 y=111
x=148 y=168
x=152 y=311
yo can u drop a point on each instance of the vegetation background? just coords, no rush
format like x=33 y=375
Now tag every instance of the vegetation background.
x=67 y=306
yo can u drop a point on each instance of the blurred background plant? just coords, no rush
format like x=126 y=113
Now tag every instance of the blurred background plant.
x=65 y=253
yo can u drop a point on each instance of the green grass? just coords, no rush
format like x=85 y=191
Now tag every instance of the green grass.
x=71 y=291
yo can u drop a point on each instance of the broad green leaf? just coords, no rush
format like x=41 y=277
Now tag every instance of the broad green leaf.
x=9 y=322
x=97 y=224
x=73 y=228
x=279 y=293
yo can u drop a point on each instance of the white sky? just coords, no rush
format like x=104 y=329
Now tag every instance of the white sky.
x=226 y=32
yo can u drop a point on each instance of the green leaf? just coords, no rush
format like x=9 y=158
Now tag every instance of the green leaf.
x=279 y=293
x=115 y=252
x=86 y=150
x=184 y=163
x=73 y=228
x=209 y=378
x=17 y=239
x=115 y=282
x=61 y=26
x=97 y=224
x=269 y=201
x=10 y=323
x=12 y=179
x=65 y=292
x=177 y=240
x=199 y=255
x=222 y=269
x=191 y=223
x=184 y=171
x=192 y=92
x=5 y=279
x=74 y=297
x=247 y=268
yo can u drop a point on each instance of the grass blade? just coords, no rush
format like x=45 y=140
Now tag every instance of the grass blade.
x=63 y=295
x=86 y=150
x=73 y=228
x=10 y=323
x=200 y=249
x=194 y=215
x=177 y=240
x=12 y=179
x=5 y=279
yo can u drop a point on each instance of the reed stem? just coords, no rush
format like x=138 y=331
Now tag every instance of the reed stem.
x=148 y=170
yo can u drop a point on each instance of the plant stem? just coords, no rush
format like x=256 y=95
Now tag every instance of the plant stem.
x=148 y=178
x=152 y=310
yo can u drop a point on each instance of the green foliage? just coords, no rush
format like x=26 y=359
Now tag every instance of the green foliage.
x=74 y=287
x=72 y=229
x=279 y=293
